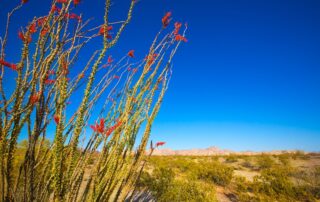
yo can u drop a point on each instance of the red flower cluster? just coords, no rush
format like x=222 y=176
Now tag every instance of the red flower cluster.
x=55 y=9
x=7 y=64
x=24 y=38
x=24 y=1
x=104 y=31
x=178 y=37
x=110 y=60
x=49 y=81
x=131 y=53
x=56 y=119
x=112 y=128
x=116 y=77
x=177 y=27
x=41 y=22
x=33 y=28
x=166 y=19
x=76 y=2
x=35 y=98
x=160 y=144
x=73 y=16
x=62 y=1
x=98 y=128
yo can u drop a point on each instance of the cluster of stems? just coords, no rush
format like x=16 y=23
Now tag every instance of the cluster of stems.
x=122 y=99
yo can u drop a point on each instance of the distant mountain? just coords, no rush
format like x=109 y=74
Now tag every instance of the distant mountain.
x=211 y=151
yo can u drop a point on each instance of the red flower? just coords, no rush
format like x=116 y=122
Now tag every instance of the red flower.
x=180 y=38
x=104 y=31
x=112 y=128
x=56 y=119
x=76 y=2
x=166 y=19
x=73 y=16
x=35 y=98
x=116 y=77
x=150 y=58
x=41 y=21
x=131 y=53
x=7 y=64
x=177 y=27
x=23 y=38
x=55 y=9
x=62 y=1
x=24 y=1
x=110 y=60
x=98 y=128
x=33 y=28
x=160 y=144
x=49 y=81
x=44 y=31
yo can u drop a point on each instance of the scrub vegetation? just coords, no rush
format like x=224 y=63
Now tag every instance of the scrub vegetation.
x=265 y=177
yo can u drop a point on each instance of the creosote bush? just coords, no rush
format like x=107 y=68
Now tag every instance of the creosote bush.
x=166 y=187
x=216 y=172
x=93 y=109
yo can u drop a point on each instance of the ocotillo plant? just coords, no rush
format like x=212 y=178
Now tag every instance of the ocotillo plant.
x=87 y=160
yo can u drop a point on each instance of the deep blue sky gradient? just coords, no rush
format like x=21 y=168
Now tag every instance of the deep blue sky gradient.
x=248 y=78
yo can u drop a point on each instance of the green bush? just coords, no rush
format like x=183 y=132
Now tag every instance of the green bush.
x=165 y=187
x=181 y=191
x=216 y=172
x=265 y=162
x=231 y=159
x=275 y=183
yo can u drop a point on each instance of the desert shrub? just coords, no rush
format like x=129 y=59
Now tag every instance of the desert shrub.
x=300 y=155
x=216 y=172
x=231 y=159
x=284 y=159
x=165 y=187
x=241 y=184
x=264 y=161
x=184 y=191
x=275 y=183
x=247 y=164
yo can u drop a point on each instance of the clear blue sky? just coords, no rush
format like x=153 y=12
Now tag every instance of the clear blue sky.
x=248 y=78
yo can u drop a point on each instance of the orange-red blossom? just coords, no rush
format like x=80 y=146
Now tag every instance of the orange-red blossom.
x=166 y=19
x=56 y=119
x=131 y=53
x=7 y=64
x=98 y=128
x=160 y=144
x=112 y=128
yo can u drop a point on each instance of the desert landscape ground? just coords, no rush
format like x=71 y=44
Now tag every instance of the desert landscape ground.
x=273 y=176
